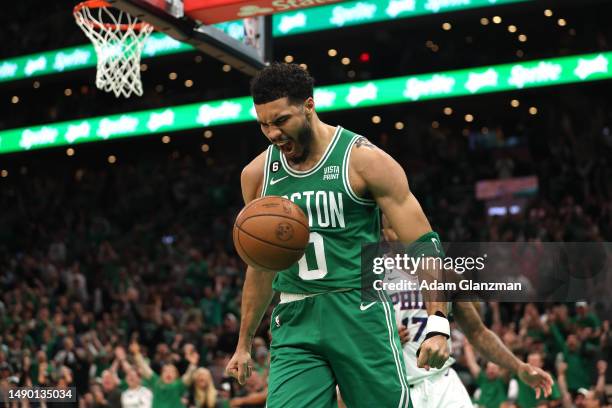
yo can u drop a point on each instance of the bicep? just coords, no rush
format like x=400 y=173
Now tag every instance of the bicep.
x=387 y=182
x=248 y=186
x=251 y=178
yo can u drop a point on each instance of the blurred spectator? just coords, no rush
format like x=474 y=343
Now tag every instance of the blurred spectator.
x=110 y=389
x=256 y=392
x=168 y=389
x=203 y=393
x=493 y=387
x=136 y=396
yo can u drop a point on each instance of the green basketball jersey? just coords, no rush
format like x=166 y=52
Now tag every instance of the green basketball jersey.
x=339 y=220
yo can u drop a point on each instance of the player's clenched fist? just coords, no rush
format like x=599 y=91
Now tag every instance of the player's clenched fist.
x=433 y=352
x=240 y=366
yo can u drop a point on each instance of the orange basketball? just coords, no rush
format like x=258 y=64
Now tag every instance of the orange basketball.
x=271 y=233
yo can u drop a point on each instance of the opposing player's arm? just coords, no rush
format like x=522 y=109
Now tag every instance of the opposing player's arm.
x=375 y=172
x=257 y=291
x=493 y=349
x=484 y=340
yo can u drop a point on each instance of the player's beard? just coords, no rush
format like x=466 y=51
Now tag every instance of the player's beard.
x=304 y=139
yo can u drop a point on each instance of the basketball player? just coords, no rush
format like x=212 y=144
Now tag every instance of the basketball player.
x=441 y=387
x=322 y=334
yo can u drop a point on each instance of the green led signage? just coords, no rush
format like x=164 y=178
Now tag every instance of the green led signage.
x=406 y=89
x=313 y=19
x=352 y=13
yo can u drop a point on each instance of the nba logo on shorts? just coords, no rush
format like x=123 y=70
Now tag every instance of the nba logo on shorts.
x=277 y=320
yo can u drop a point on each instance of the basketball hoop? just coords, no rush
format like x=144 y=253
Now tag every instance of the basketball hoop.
x=118 y=39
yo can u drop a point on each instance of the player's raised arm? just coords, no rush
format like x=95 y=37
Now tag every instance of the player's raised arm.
x=375 y=172
x=257 y=291
x=491 y=347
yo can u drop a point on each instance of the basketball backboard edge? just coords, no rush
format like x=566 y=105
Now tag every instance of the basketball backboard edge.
x=171 y=20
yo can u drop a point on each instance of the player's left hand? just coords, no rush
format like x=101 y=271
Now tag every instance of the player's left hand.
x=433 y=352
x=536 y=378
x=404 y=334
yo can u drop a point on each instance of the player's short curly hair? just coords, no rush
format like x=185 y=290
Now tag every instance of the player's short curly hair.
x=280 y=80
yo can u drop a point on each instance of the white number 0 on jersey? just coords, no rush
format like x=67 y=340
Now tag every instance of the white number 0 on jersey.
x=311 y=274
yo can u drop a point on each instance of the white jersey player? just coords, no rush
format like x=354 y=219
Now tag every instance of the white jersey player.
x=436 y=387
x=441 y=387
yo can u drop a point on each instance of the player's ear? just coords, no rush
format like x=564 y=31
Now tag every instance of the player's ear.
x=309 y=106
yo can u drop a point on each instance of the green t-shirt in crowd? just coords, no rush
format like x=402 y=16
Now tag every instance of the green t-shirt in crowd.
x=578 y=372
x=211 y=309
x=588 y=320
x=492 y=392
x=578 y=364
x=197 y=274
x=165 y=395
x=526 y=395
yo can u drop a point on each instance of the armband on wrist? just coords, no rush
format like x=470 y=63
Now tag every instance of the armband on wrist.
x=427 y=245
x=437 y=324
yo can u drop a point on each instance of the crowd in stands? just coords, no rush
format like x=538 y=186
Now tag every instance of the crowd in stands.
x=123 y=281
x=573 y=346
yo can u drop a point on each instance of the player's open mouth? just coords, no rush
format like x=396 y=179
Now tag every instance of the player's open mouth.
x=287 y=147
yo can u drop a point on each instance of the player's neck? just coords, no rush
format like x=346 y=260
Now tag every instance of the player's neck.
x=323 y=135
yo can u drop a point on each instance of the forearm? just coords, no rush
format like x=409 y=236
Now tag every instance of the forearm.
x=470 y=361
x=114 y=366
x=557 y=336
x=436 y=300
x=125 y=365
x=433 y=307
x=143 y=367
x=565 y=395
x=257 y=294
x=255 y=398
x=188 y=376
x=493 y=349
x=488 y=344
x=42 y=378
x=600 y=386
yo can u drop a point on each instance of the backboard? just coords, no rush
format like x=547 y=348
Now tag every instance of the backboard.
x=247 y=54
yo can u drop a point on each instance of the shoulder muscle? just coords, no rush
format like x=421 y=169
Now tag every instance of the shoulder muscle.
x=378 y=171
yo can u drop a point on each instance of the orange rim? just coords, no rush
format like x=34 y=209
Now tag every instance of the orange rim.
x=94 y=4
x=91 y=4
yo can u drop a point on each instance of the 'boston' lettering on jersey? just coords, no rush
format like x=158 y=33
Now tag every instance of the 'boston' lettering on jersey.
x=340 y=221
x=324 y=207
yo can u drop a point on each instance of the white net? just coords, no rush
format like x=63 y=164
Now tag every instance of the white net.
x=118 y=39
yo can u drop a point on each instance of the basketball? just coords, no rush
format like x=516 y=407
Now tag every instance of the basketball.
x=271 y=233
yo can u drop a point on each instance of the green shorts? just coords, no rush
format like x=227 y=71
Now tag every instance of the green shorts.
x=330 y=339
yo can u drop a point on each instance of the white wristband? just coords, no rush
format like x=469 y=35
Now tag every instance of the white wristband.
x=437 y=324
